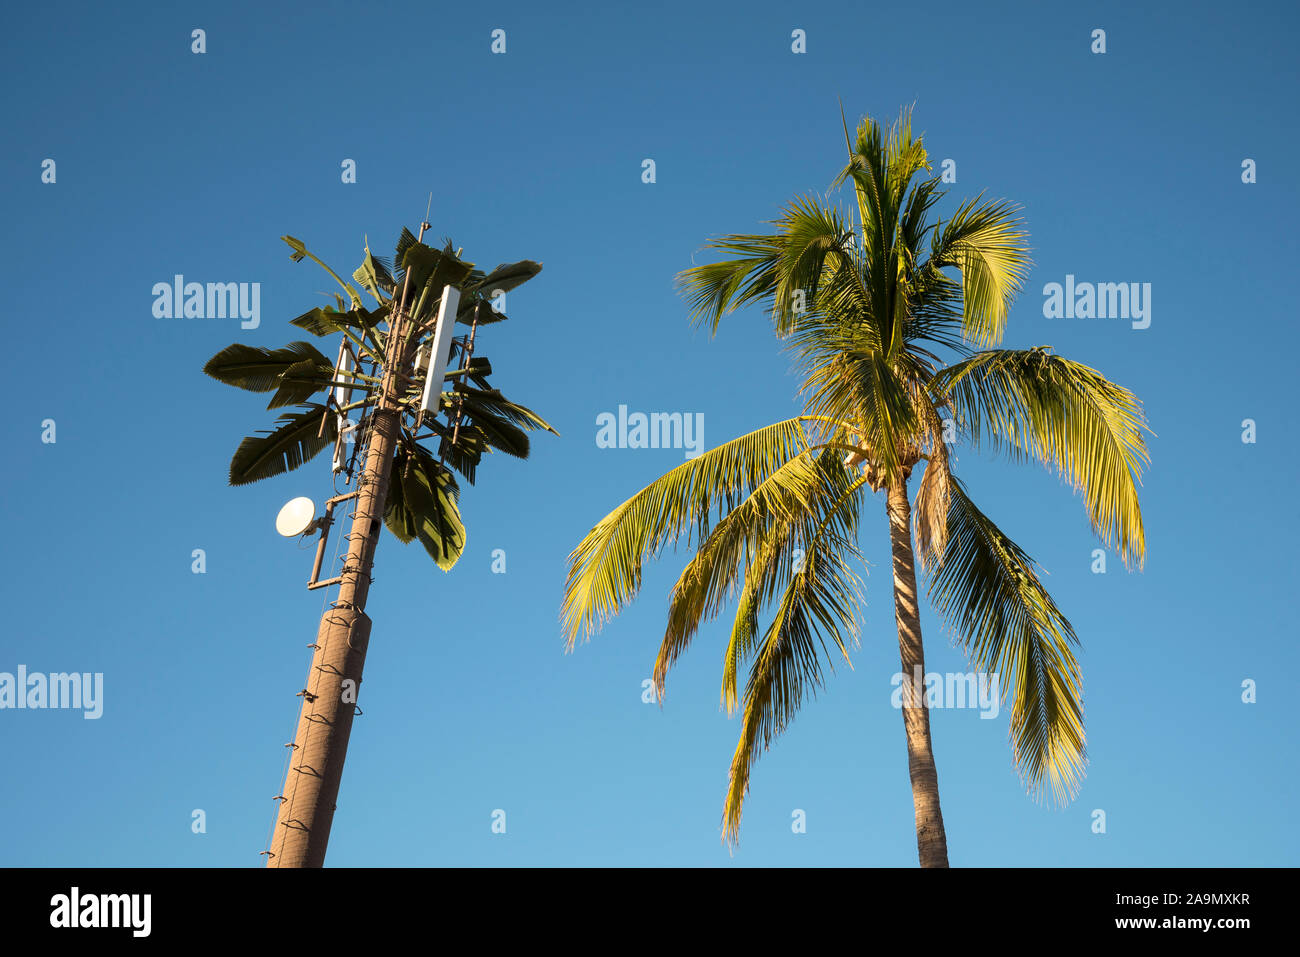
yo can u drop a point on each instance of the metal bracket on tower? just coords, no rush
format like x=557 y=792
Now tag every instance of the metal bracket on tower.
x=325 y=522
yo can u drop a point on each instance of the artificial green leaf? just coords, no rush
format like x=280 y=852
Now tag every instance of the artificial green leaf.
x=432 y=268
x=373 y=277
x=508 y=276
x=425 y=507
x=257 y=369
x=300 y=251
x=321 y=322
x=482 y=402
x=284 y=449
x=300 y=381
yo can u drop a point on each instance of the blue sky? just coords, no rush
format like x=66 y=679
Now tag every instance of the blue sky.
x=1128 y=166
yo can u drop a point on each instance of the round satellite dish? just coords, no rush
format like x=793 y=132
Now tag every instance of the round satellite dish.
x=296 y=518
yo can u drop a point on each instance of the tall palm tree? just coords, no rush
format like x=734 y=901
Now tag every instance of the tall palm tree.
x=383 y=362
x=895 y=323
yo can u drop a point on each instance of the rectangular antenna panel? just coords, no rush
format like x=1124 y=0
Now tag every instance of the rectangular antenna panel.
x=442 y=336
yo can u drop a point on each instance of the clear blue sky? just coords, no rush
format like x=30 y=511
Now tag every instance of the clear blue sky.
x=1128 y=166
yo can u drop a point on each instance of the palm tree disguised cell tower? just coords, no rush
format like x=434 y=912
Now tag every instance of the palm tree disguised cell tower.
x=391 y=368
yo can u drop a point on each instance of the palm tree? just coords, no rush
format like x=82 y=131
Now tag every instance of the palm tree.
x=383 y=361
x=895 y=323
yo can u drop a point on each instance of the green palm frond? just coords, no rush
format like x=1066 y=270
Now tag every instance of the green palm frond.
x=504 y=278
x=326 y=321
x=988 y=244
x=405 y=240
x=374 y=277
x=465 y=454
x=771 y=568
x=360 y=326
x=478 y=291
x=756 y=540
x=604 y=571
x=422 y=505
x=302 y=380
x=399 y=519
x=786 y=269
x=714 y=289
x=284 y=449
x=257 y=369
x=813 y=238
x=428 y=271
x=491 y=402
x=499 y=433
x=821 y=600
x=882 y=163
x=488 y=420
x=1041 y=407
x=936 y=313
x=987 y=590
x=300 y=251
x=913 y=224
x=868 y=392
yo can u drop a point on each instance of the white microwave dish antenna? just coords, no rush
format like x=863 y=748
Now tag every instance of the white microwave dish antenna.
x=298 y=517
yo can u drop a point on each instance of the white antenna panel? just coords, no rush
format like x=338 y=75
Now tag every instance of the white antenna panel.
x=343 y=394
x=442 y=336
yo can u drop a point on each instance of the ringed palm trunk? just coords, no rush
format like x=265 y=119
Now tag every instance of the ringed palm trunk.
x=931 y=842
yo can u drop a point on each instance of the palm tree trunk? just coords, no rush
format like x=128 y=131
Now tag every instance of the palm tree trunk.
x=931 y=842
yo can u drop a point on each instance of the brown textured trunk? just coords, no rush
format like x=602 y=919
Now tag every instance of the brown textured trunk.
x=320 y=745
x=931 y=842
